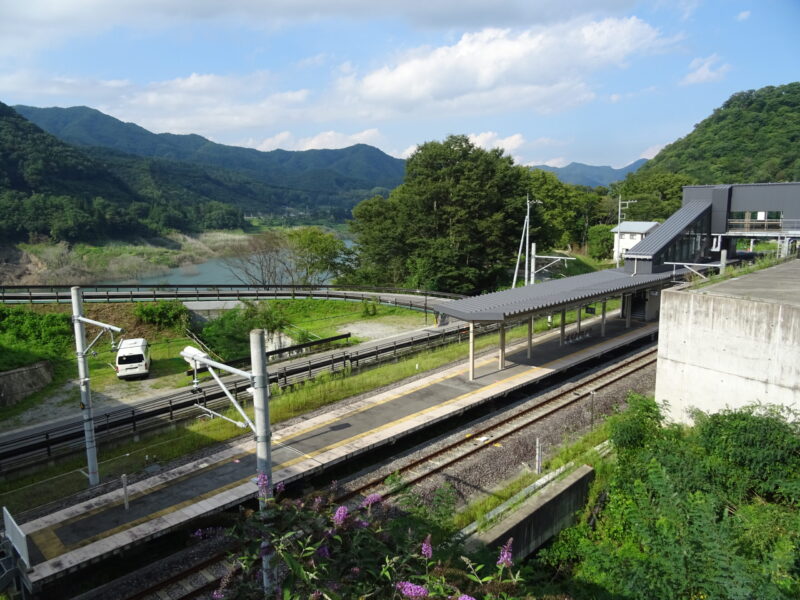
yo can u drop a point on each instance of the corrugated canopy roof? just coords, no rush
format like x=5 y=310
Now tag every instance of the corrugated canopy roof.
x=668 y=230
x=548 y=296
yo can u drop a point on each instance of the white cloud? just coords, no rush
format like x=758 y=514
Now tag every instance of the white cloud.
x=651 y=151
x=559 y=161
x=490 y=140
x=704 y=70
x=42 y=23
x=285 y=140
x=546 y=70
x=743 y=16
x=409 y=151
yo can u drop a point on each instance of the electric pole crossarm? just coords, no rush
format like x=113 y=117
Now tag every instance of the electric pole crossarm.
x=105 y=326
x=231 y=398
x=203 y=359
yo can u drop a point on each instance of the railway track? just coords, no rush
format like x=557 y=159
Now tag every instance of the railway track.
x=439 y=460
x=28 y=448
x=200 y=579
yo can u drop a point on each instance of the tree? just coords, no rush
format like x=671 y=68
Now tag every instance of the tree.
x=452 y=225
x=302 y=256
x=600 y=241
x=316 y=255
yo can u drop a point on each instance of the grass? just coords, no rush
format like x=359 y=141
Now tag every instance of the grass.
x=63 y=479
x=580 y=451
x=325 y=318
x=731 y=272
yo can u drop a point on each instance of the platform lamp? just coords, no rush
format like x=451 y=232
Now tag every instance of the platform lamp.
x=81 y=351
x=259 y=387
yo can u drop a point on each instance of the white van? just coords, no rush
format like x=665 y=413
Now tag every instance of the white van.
x=133 y=359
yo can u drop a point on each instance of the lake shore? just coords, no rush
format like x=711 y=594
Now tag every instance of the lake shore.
x=82 y=264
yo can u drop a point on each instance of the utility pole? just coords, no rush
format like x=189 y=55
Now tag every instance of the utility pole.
x=527 y=236
x=81 y=351
x=619 y=233
x=259 y=387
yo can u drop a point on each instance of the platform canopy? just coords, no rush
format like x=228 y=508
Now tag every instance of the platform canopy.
x=549 y=296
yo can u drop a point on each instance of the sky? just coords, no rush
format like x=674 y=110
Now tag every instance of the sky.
x=602 y=82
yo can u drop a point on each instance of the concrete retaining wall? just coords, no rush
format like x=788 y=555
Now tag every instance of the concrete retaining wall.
x=718 y=351
x=20 y=383
x=541 y=517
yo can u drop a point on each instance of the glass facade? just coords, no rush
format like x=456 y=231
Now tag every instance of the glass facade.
x=693 y=245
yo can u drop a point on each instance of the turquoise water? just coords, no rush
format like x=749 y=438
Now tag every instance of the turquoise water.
x=211 y=272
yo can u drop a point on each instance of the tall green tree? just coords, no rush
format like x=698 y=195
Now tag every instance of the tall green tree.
x=452 y=225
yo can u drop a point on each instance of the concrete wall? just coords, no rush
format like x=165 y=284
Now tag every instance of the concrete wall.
x=541 y=517
x=20 y=383
x=716 y=351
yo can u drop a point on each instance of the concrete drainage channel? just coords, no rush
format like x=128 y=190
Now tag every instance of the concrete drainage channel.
x=536 y=514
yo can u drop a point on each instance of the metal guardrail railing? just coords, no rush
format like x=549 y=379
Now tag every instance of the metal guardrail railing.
x=763 y=225
x=182 y=405
x=120 y=293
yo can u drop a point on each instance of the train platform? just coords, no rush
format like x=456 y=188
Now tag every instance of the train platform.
x=68 y=540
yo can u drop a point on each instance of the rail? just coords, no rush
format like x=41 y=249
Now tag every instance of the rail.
x=64 y=438
x=763 y=225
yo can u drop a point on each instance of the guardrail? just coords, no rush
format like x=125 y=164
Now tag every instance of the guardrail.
x=763 y=225
x=66 y=438
x=121 y=293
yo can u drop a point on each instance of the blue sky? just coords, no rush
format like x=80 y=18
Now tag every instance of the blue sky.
x=551 y=81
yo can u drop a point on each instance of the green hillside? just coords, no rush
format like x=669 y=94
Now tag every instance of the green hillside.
x=753 y=137
x=51 y=190
x=322 y=171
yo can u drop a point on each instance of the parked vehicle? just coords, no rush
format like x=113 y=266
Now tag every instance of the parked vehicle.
x=133 y=359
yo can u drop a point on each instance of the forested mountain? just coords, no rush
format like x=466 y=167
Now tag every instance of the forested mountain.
x=753 y=137
x=358 y=167
x=51 y=189
x=590 y=175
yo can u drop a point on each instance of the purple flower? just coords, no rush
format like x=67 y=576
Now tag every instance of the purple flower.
x=411 y=590
x=263 y=485
x=317 y=504
x=355 y=570
x=340 y=516
x=465 y=597
x=427 y=549
x=198 y=534
x=218 y=595
x=280 y=487
x=362 y=523
x=504 y=559
x=324 y=552
x=371 y=499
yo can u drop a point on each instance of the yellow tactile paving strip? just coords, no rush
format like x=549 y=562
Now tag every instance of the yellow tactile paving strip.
x=52 y=547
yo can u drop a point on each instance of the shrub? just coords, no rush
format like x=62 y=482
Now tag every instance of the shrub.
x=164 y=314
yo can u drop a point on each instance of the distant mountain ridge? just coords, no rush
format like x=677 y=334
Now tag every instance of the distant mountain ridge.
x=590 y=175
x=326 y=171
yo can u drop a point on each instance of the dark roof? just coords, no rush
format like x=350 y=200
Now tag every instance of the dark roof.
x=665 y=233
x=548 y=296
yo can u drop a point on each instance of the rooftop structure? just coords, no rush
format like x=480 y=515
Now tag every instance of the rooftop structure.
x=629 y=233
x=711 y=220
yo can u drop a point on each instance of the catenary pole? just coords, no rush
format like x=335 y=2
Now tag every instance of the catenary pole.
x=83 y=380
x=258 y=360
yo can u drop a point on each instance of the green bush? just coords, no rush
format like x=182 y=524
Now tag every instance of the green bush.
x=27 y=337
x=600 y=241
x=164 y=314
x=229 y=334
